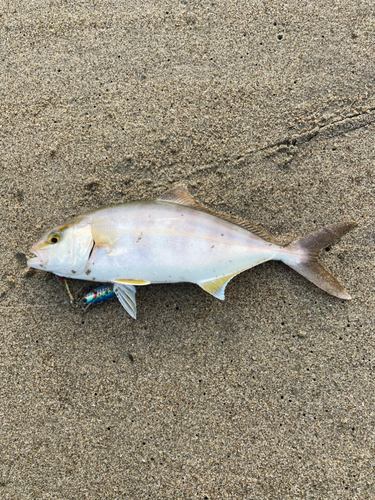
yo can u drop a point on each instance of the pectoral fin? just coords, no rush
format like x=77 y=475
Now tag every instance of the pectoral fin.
x=217 y=286
x=126 y=296
x=104 y=233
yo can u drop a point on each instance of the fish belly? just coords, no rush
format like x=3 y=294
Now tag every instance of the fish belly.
x=166 y=243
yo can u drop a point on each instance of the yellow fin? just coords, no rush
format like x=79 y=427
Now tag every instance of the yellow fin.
x=131 y=282
x=217 y=286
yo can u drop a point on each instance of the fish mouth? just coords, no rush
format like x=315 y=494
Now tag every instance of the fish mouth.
x=40 y=259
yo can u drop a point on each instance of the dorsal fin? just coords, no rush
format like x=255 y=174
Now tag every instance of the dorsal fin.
x=181 y=196
x=253 y=228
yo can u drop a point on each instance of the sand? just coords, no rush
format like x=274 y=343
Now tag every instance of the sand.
x=264 y=110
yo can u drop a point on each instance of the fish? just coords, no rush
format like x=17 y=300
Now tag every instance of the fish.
x=175 y=239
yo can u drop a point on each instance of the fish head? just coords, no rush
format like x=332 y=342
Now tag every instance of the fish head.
x=64 y=250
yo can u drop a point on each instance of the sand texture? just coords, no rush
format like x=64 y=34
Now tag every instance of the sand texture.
x=264 y=110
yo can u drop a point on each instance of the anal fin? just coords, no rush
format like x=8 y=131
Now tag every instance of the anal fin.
x=217 y=286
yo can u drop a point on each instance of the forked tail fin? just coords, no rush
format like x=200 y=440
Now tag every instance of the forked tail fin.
x=304 y=253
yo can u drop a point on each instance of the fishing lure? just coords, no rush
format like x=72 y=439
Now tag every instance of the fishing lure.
x=100 y=294
x=174 y=239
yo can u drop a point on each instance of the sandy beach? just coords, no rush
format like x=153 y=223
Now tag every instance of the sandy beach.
x=263 y=110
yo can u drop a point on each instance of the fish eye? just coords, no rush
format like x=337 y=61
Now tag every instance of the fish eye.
x=54 y=238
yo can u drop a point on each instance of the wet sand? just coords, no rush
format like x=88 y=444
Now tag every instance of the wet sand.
x=263 y=110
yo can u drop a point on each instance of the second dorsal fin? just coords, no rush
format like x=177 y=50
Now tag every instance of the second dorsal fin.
x=180 y=196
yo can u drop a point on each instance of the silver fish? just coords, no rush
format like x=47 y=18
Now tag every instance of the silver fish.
x=174 y=239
